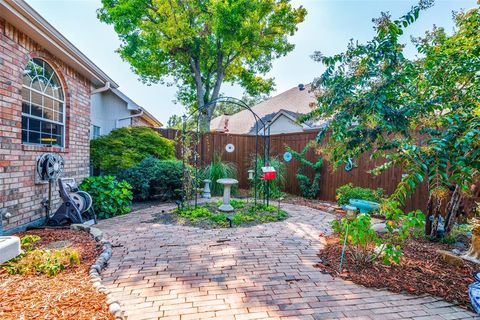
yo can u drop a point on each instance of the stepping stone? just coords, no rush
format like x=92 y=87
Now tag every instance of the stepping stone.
x=9 y=248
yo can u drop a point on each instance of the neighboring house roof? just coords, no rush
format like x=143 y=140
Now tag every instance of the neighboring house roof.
x=133 y=106
x=27 y=20
x=293 y=102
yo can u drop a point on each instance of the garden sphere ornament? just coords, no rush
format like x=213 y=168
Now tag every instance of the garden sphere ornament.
x=287 y=156
x=230 y=148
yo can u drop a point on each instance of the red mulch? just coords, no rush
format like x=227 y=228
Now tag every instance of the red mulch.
x=421 y=271
x=69 y=295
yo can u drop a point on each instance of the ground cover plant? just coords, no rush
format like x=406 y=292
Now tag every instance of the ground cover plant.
x=67 y=295
x=208 y=216
x=110 y=197
x=34 y=260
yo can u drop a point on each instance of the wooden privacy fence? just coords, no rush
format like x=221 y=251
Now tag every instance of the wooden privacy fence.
x=212 y=143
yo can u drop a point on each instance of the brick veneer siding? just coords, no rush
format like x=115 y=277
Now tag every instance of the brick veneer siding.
x=18 y=192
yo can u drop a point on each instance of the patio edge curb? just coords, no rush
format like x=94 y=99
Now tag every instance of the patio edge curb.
x=101 y=263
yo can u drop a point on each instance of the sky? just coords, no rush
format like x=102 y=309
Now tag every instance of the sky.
x=328 y=27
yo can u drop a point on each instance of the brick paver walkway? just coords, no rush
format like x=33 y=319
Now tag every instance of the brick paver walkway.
x=262 y=272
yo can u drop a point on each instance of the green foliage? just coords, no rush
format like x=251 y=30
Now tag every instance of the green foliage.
x=244 y=213
x=309 y=188
x=155 y=178
x=125 y=147
x=422 y=115
x=110 y=197
x=201 y=44
x=39 y=261
x=366 y=246
x=218 y=169
x=276 y=185
x=348 y=191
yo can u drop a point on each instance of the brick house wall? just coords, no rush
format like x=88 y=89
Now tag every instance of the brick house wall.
x=19 y=194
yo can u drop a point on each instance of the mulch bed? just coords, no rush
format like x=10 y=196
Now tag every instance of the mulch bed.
x=421 y=271
x=69 y=295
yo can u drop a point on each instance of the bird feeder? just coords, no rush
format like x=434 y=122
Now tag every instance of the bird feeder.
x=268 y=173
x=250 y=174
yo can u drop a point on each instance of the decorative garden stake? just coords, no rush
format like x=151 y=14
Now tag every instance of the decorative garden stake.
x=206 y=189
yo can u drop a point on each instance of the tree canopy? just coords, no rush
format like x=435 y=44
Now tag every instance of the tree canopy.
x=420 y=114
x=199 y=44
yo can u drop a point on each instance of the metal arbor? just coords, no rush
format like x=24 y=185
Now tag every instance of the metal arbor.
x=202 y=110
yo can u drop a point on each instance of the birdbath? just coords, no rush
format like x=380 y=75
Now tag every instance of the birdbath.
x=206 y=189
x=227 y=185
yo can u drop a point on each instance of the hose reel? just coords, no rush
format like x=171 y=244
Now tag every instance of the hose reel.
x=49 y=166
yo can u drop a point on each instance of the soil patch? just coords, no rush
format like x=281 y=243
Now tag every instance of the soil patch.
x=421 y=271
x=69 y=295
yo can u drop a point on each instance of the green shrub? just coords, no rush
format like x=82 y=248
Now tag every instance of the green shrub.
x=308 y=188
x=125 y=147
x=275 y=186
x=34 y=261
x=348 y=191
x=110 y=197
x=153 y=177
x=218 y=169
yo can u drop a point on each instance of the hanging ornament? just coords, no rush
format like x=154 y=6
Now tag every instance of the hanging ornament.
x=287 y=156
x=349 y=166
x=230 y=148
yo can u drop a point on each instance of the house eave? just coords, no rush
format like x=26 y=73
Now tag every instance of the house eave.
x=24 y=18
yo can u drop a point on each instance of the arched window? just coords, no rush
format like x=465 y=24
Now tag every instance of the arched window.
x=43 y=105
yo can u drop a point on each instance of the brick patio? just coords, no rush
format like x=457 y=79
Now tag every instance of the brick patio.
x=263 y=272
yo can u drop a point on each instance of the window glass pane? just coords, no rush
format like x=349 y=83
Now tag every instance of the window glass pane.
x=36 y=111
x=46 y=127
x=56 y=129
x=24 y=123
x=48 y=114
x=37 y=98
x=37 y=85
x=57 y=106
x=25 y=94
x=33 y=124
x=24 y=136
x=34 y=137
x=25 y=107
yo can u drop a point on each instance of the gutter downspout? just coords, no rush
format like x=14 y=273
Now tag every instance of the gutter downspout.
x=117 y=122
x=102 y=89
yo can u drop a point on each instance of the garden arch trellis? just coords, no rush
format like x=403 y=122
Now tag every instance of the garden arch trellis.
x=202 y=110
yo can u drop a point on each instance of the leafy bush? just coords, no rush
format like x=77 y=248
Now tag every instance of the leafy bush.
x=153 y=177
x=125 y=147
x=365 y=245
x=219 y=169
x=110 y=197
x=309 y=188
x=348 y=191
x=33 y=261
x=275 y=186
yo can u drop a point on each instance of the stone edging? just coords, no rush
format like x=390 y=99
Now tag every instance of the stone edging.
x=101 y=263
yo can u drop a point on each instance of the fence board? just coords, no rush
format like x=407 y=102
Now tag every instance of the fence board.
x=330 y=180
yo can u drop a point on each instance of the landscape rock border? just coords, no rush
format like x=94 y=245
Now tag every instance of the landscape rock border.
x=101 y=263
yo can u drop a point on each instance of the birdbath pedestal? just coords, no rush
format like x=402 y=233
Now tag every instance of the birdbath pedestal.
x=206 y=189
x=227 y=186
